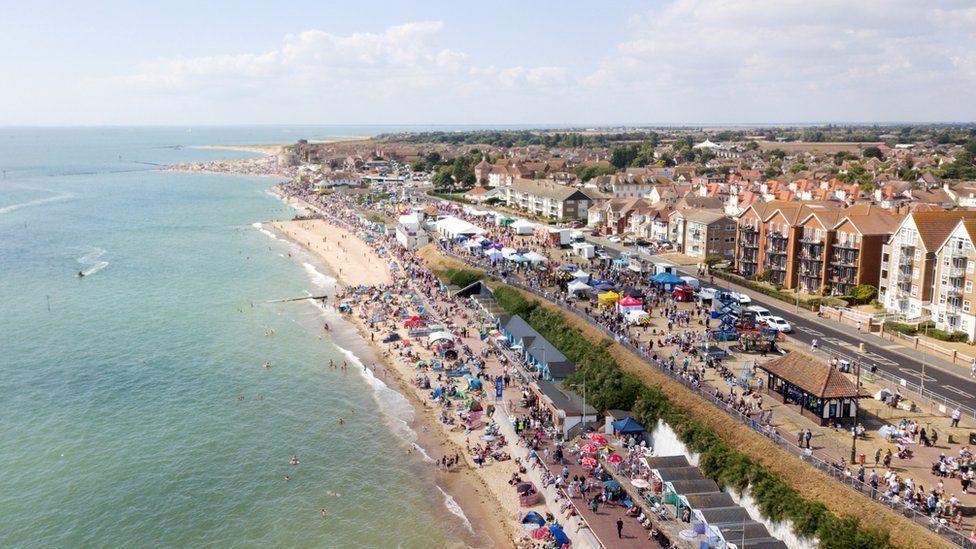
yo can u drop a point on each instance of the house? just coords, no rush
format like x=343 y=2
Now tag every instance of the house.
x=549 y=363
x=613 y=215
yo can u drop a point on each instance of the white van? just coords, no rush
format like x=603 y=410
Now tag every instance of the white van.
x=691 y=281
x=762 y=313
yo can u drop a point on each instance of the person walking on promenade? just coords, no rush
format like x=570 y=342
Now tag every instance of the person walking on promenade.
x=956 y=416
x=620 y=528
x=807 y=437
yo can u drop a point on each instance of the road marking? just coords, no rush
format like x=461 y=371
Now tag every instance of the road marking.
x=956 y=390
x=913 y=373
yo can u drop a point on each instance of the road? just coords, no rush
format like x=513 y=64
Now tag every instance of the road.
x=885 y=356
x=837 y=339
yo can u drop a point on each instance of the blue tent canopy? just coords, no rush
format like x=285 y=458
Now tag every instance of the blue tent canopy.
x=561 y=537
x=628 y=426
x=666 y=278
x=533 y=518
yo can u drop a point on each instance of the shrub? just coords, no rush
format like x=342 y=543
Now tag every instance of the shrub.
x=901 y=328
x=713 y=260
x=459 y=277
x=943 y=335
x=863 y=293
x=834 y=301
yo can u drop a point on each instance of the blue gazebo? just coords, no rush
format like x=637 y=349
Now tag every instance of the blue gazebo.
x=627 y=426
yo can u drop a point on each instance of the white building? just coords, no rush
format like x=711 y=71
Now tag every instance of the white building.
x=410 y=232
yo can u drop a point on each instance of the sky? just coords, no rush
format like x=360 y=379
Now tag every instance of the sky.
x=621 y=62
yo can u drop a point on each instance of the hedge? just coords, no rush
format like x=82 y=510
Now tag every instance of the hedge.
x=459 y=277
x=608 y=386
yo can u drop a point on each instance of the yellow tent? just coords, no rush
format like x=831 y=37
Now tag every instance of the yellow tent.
x=609 y=298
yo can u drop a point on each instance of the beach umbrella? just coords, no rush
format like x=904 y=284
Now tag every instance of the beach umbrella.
x=640 y=483
x=612 y=485
x=597 y=438
x=589 y=449
x=588 y=463
x=614 y=458
x=533 y=520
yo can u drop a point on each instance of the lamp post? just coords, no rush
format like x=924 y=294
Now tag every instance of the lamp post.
x=857 y=409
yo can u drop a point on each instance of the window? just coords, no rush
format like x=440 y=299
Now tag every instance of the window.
x=914 y=290
x=969 y=286
x=969 y=266
x=915 y=272
x=965 y=306
x=918 y=255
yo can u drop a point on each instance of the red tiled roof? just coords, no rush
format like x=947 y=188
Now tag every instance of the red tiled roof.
x=811 y=375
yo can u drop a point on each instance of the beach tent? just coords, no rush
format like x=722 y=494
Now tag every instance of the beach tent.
x=577 y=286
x=471 y=244
x=557 y=533
x=629 y=303
x=633 y=291
x=604 y=286
x=532 y=520
x=438 y=336
x=666 y=279
x=507 y=253
x=627 y=426
x=523 y=227
x=534 y=257
x=581 y=275
x=609 y=298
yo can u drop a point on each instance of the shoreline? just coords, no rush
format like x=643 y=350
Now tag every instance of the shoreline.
x=483 y=514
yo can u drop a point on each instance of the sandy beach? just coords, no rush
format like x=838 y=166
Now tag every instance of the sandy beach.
x=352 y=260
x=483 y=493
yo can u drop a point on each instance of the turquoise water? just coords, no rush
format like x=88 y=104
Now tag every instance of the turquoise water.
x=122 y=424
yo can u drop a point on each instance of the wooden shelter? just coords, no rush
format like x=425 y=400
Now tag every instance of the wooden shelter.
x=823 y=393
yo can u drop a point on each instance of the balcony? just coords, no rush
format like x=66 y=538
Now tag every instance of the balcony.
x=954 y=291
x=811 y=241
x=746 y=229
x=956 y=252
x=844 y=261
x=776 y=249
x=846 y=245
x=781 y=267
x=957 y=272
x=905 y=259
x=953 y=306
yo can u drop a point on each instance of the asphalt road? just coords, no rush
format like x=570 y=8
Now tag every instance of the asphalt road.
x=839 y=341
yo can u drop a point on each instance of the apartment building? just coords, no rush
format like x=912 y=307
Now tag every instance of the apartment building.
x=613 y=216
x=954 y=299
x=840 y=249
x=632 y=186
x=908 y=263
x=701 y=233
x=549 y=199
x=769 y=237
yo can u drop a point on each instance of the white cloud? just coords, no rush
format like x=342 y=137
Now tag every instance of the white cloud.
x=765 y=60
x=686 y=61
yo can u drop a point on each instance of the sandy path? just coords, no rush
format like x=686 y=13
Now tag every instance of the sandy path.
x=353 y=260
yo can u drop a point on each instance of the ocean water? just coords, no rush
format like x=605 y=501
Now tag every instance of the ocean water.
x=136 y=411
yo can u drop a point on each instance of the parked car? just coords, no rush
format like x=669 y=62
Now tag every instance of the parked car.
x=779 y=324
x=762 y=314
x=614 y=239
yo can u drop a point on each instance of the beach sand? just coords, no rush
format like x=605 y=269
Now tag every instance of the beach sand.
x=352 y=260
x=484 y=494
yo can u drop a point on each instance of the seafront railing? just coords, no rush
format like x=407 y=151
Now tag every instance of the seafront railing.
x=821 y=462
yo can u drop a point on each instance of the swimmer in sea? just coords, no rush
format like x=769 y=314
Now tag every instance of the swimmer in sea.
x=294 y=460
x=287 y=478
x=267 y=365
x=325 y=514
x=342 y=421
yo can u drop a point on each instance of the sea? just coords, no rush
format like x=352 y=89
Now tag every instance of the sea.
x=136 y=410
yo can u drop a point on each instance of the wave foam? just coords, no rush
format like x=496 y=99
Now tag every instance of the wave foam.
x=455 y=509
x=318 y=278
x=91 y=259
x=392 y=404
x=38 y=202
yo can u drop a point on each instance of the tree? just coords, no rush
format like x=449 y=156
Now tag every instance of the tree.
x=433 y=159
x=873 y=152
x=418 y=166
x=621 y=157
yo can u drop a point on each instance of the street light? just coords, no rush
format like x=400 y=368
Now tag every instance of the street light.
x=857 y=409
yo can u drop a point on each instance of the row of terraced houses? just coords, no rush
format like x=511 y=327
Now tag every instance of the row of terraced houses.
x=922 y=262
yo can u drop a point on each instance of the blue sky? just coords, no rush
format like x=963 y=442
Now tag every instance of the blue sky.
x=396 y=62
